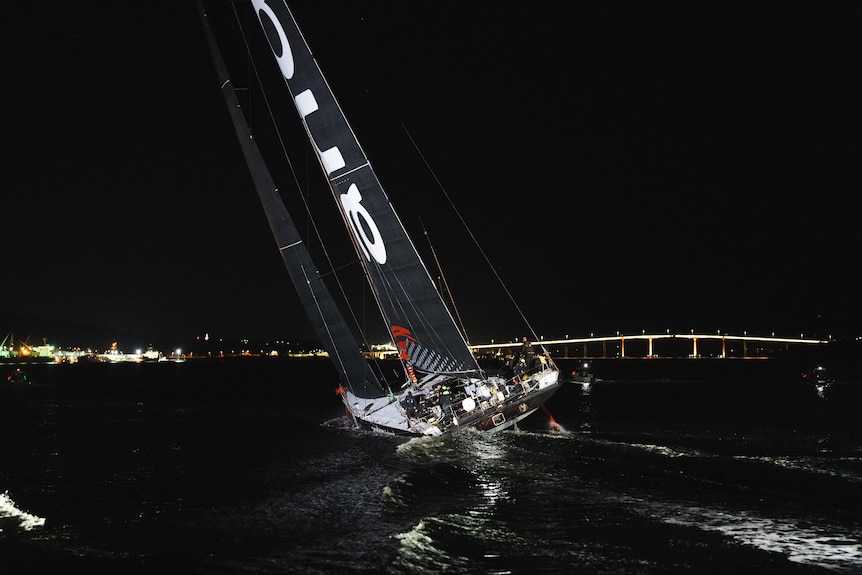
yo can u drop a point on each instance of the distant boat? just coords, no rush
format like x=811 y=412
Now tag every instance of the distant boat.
x=152 y=355
x=18 y=377
x=583 y=375
x=819 y=377
x=444 y=388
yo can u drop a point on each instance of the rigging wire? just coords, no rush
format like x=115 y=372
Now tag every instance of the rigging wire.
x=472 y=236
x=445 y=283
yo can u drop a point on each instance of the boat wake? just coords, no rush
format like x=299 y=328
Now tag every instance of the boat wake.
x=846 y=468
x=832 y=546
x=831 y=543
x=10 y=511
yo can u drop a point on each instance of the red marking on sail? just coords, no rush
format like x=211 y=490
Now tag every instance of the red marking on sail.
x=401 y=335
x=398 y=331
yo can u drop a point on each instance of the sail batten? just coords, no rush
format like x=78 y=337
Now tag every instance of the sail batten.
x=288 y=246
x=340 y=177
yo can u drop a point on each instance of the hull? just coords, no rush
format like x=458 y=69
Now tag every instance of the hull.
x=486 y=405
x=513 y=411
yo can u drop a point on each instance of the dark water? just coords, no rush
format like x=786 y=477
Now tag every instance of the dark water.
x=227 y=467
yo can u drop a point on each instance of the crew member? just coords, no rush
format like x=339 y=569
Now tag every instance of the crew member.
x=528 y=354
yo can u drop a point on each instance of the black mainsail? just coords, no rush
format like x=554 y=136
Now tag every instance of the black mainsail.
x=421 y=325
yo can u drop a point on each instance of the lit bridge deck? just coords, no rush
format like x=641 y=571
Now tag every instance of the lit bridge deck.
x=661 y=345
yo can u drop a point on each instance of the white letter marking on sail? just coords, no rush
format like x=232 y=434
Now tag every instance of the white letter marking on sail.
x=277 y=38
x=357 y=214
x=332 y=159
x=305 y=101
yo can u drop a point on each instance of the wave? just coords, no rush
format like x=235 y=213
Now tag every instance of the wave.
x=26 y=521
x=831 y=545
x=847 y=468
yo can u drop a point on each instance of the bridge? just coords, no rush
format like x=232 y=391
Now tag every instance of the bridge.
x=661 y=345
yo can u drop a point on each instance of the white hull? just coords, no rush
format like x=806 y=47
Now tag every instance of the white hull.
x=492 y=405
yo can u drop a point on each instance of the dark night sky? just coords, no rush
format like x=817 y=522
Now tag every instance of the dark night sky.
x=660 y=165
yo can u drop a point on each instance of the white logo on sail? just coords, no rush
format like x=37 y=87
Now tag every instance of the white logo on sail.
x=305 y=101
x=332 y=159
x=362 y=224
x=279 y=44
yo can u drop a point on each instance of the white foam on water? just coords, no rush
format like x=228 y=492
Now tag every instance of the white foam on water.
x=26 y=521
x=832 y=546
x=841 y=467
